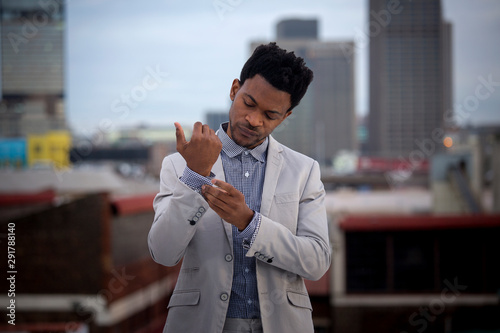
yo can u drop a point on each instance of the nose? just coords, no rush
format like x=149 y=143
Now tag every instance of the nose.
x=254 y=119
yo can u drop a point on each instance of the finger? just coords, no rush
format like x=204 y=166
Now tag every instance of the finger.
x=228 y=188
x=179 y=135
x=215 y=199
x=206 y=129
x=216 y=196
x=215 y=192
x=197 y=129
x=215 y=207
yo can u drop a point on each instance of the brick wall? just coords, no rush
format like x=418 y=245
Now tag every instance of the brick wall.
x=63 y=249
x=81 y=248
x=130 y=237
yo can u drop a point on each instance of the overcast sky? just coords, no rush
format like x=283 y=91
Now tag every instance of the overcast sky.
x=159 y=61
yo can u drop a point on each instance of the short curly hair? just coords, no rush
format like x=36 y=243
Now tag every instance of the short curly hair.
x=283 y=70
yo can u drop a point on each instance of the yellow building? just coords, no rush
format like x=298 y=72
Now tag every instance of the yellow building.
x=50 y=149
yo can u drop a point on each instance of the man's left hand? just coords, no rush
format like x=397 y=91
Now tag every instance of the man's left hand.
x=228 y=203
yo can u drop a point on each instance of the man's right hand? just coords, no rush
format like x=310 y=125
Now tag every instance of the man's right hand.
x=202 y=151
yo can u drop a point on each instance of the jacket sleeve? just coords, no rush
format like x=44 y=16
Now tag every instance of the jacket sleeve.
x=307 y=252
x=178 y=209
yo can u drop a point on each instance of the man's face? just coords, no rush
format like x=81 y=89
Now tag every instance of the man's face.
x=257 y=109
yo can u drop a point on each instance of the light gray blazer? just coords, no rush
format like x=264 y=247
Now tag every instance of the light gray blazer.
x=292 y=244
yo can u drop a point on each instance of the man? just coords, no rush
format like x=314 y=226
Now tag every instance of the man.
x=244 y=212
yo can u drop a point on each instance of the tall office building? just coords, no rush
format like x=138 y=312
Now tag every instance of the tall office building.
x=324 y=122
x=410 y=75
x=215 y=118
x=32 y=60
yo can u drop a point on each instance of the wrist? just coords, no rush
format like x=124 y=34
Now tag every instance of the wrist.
x=247 y=220
x=201 y=172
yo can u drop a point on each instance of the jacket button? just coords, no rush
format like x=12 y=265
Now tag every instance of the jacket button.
x=224 y=297
x=228 y=257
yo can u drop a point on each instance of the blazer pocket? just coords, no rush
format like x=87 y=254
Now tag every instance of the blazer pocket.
x=285 y=210
x=284 y=198
x=299 y=300
x=183 y=298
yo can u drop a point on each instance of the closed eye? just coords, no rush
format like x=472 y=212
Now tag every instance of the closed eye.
x=270 y=116
x=249 y=105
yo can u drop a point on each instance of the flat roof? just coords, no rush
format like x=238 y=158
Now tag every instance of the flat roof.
x=417 y=222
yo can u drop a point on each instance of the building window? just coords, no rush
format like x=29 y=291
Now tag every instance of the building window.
x=421 y=261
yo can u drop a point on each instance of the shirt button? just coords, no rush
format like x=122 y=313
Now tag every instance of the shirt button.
x=246 y=152
x=228 y=257
x=247 y=174
x=247 y=270
x=224 y=297
x=249 y=301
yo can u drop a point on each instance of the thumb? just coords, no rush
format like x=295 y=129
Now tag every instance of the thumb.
x=179 y=135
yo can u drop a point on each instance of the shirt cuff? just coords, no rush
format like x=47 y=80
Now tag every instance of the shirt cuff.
x=250 y=231
x=194 y=180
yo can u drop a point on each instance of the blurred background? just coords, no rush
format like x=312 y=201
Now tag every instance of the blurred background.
x=403 y=116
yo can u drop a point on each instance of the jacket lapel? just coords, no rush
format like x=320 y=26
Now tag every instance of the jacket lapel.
x=273 y=170
x=218 y=170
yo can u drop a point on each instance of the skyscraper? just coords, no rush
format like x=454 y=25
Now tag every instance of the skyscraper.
x=32 y=60
x=410 y=76
x=324 y=122
x=215 y=118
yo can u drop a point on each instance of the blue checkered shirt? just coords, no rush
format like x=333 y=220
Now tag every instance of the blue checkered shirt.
x=244 y=169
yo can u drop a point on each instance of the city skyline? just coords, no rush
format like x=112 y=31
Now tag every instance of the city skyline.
x=150 y=64
x=323 y=124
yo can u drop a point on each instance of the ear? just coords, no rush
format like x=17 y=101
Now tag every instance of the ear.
x=234 y=89
x=287 y=114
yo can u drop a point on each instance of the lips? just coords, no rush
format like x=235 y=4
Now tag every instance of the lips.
x=247 y=132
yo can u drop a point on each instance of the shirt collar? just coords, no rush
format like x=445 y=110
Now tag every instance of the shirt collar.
x=232 y=149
